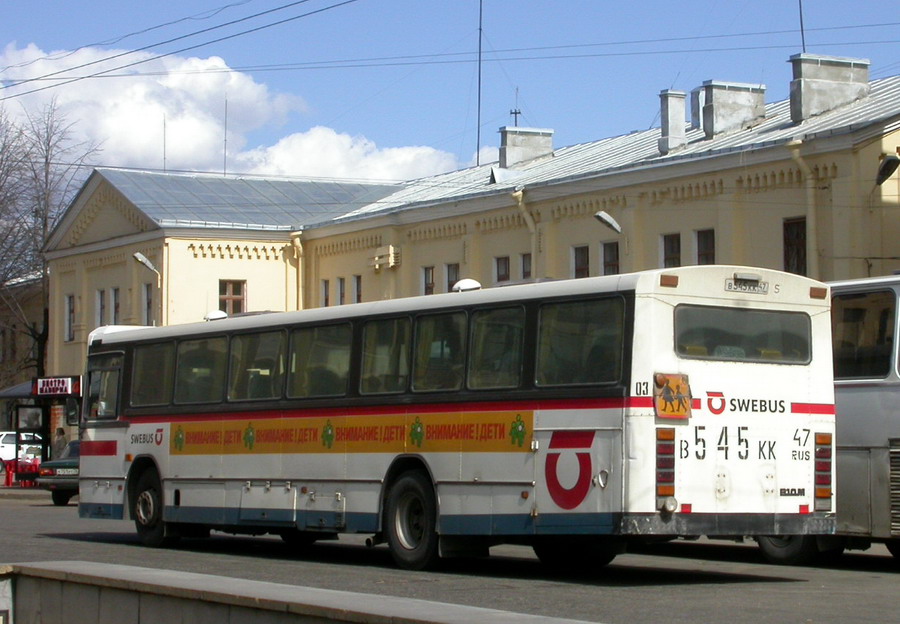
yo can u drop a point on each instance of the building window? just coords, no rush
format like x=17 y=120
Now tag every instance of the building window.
x=581 y=261
x=610 y=253
x=795 y=245
x=70 y=318
x=526 y=266
x=428 y=280
x=671 y=250
x=326 y=293
x=502 y=266
x=100 y=307
x=706 y=247
x=147 y=307
x=116 y=316
x=452 y=275
x=357 y=288
x=342 y=291
x=232 y=296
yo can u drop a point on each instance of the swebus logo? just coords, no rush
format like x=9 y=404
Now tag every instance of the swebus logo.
x=570 y=498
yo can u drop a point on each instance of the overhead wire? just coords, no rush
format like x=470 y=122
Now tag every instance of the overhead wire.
x=66 y=81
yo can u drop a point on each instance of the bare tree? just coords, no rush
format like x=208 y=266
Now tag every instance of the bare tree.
x=46 y=166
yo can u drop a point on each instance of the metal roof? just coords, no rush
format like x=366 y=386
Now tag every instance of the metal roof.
x=639 y=150
x=198 y=200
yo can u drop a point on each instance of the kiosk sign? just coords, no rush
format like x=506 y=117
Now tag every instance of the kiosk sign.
x=57 y=386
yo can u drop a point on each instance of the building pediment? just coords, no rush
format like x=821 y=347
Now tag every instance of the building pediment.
x=104 y=214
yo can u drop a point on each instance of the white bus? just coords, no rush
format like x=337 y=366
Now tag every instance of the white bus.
x=569 y=415
x=867 y=384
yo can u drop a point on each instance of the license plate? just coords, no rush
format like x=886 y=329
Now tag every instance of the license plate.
x=67 y=471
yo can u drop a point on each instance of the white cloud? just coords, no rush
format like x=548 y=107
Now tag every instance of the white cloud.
x=322 y=152
x=174 y=115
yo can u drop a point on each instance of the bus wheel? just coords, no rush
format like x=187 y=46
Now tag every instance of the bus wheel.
x=410 y=522
x=788 y=549
x=148 y=510
x=564 y=553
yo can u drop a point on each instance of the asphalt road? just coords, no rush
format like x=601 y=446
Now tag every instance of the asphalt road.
x=689 y=582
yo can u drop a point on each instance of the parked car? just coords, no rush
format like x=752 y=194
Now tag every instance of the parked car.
x=29 y=445
x=60 y=476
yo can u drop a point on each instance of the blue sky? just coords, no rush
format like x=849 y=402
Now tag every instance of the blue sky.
x=388 y=89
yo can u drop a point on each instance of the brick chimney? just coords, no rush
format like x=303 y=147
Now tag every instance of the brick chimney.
x=671 y=114
x=518 y=145
x=823 y=83
x=727 y=106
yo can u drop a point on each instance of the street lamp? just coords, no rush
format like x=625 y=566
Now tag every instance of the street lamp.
x=143 y=260
x=889 y=164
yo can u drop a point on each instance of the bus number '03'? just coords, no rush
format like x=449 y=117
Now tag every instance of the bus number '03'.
x=729 y=442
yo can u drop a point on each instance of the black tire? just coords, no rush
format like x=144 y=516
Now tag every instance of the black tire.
x=564 y=553
x=410 y=523
x=893 y=547
x=60 y=498
x=147 y=510
x=788 y=549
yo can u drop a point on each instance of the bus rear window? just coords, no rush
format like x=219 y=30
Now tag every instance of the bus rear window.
x=742 y=335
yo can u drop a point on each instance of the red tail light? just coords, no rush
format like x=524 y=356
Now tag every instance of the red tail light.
x=824 y=471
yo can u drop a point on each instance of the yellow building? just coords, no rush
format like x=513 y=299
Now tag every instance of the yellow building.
x=804 y=184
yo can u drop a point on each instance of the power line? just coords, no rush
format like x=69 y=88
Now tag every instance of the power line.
x=433 y=59
x=159 y=56
x=204 y=15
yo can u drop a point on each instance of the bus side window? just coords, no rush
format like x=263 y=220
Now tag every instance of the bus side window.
x=257 y=366
x=319 y=361
x=495 y=359
x=863 y=334
x=439 y=352
x=580 y=342
x=201 y=370
x=103 y=387
x=385 y=356
x=153 y=374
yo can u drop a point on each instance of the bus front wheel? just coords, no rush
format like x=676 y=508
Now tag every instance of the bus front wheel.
x=788 y=549
x=148 y=511
x=411 y=520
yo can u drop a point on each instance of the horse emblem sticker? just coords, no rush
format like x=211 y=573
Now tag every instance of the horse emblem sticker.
x=671 y=396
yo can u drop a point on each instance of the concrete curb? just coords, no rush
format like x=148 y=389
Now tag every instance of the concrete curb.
x=41 y=586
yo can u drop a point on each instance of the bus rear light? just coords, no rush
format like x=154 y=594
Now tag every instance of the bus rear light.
x=823 y=471
x=665 y=469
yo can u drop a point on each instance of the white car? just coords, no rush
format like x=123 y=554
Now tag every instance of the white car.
x=29 y=445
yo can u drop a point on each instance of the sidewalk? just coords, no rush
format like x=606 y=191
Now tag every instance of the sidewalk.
x=17 y=492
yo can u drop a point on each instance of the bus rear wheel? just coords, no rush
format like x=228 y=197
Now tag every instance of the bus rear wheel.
x=788 y=549
x=411 y=521
x=148 y=511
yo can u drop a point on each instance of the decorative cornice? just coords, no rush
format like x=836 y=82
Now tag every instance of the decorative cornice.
x=237 y=251
x=436 y=232
x=687 y=192
x=786 y=177
x=587 y=206
x=347 y=245
x=506 y=221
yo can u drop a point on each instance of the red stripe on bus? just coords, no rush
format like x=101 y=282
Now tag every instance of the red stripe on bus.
x=99 y=447
x=571 y=439
x=493 y=406
x=812 y=408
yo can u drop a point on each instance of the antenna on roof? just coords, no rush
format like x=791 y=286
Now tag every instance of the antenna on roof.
x=478 y=122
x=515 y=112
x=802 y=30
x=225 y=142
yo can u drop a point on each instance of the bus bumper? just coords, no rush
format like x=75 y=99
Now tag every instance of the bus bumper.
x=727 y=525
